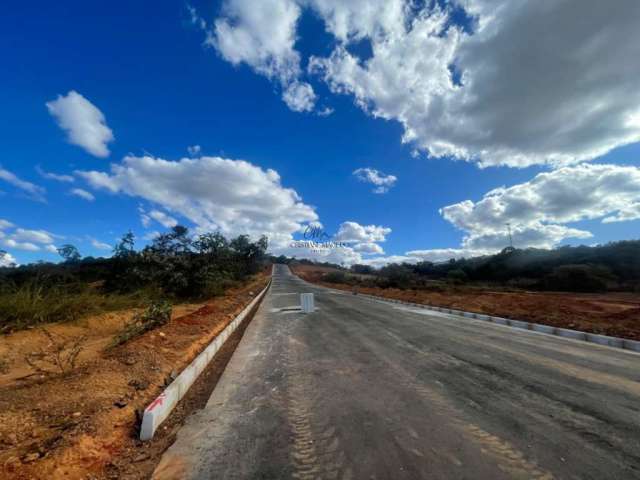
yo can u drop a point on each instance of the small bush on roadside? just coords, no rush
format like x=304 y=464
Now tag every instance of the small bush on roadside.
x=335 y=277
x=59 y=355
x=156 y=315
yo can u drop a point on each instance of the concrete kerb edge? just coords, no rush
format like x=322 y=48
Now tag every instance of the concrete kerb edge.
x=613 y=342
x=160 y=408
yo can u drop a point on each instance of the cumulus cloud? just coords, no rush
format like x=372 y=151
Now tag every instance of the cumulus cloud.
x=24 y=239
x=79 y=192
x=353 y=232
x=214 y=193
x=368 y=248
x=263 y=35
x=538 y=210
x=55 y=176
x=163 y=219
x=7 y=260
x=35 y=192
x=84 y=123
x=381 y=181
x=299 y=97
x=489 y=89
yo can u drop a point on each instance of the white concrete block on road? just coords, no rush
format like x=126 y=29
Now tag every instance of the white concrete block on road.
x=567 y=333
x=631 y=345
x=604 y=340
x=500 y=320
x=519 y=324
x=162 y=406
x=486 y=318
x=537 y=327
x=307 y=302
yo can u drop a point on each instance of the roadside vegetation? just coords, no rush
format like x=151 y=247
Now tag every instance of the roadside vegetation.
x=611 y=267
x=175 y=267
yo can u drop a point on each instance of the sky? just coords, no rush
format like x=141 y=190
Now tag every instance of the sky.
x=400 y=130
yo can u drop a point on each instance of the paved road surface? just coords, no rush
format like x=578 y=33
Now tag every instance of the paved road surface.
x=366 y=390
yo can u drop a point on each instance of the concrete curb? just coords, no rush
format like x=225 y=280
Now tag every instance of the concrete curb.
x=613 y=342
x=161 y=407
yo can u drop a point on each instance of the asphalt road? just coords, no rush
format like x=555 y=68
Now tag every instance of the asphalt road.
x=367 y=390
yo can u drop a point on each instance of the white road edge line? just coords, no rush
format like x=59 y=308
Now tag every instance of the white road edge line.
x=158 y=410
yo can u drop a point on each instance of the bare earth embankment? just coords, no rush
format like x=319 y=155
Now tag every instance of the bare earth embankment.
x=84 y=424
x=616 y=314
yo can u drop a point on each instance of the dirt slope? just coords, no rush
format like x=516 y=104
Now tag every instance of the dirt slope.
x=76 y=426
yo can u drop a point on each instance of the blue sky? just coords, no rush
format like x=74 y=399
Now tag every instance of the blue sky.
x=213 y=75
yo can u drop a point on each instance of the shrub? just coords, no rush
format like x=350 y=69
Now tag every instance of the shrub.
x=457 y=276
x=578 y=278
x=58 y=356
x=335 y=277
x=156 y=315
x=396 y=276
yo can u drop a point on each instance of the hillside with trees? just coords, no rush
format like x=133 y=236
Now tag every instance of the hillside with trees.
x=176 y=266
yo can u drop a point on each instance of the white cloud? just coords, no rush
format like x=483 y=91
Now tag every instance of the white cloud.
x=24 y=239
x=368 y=248
x=299 y=97
x=4 y=224
x=7 y=260
x=37 y=236
x=353 y=232
x=194 y=150
x=151 y=235
x=100 y=245
x=359 y=19
x=163 y=219
x=29 y=246
x=525 y=98
x=263 y=35
x=498 y=94
x=213 y=193
x=55 y=176
x=325 y=112
x=538 y=210
x=35 y=192
x=51 y=248
x=84 y=123
x=79 y=192
x=381 y=181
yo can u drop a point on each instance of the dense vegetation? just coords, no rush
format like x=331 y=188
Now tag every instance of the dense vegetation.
x=175 y=266
x=615 y=266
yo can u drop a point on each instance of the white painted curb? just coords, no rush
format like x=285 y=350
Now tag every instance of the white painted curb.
x=614 y=342
x=161 y=407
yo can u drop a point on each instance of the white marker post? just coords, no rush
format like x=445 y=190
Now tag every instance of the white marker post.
x=307 y=303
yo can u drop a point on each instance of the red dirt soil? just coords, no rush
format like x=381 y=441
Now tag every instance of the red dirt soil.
x=616 y=314
x=76 y=426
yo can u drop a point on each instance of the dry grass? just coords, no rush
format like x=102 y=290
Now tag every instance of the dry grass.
x=58 y=356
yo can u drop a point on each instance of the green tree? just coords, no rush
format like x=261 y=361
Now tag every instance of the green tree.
x=124 y=248
x=69 y=253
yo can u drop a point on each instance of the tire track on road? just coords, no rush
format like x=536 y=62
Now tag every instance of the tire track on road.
x=316 y=452
x=507 y=457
